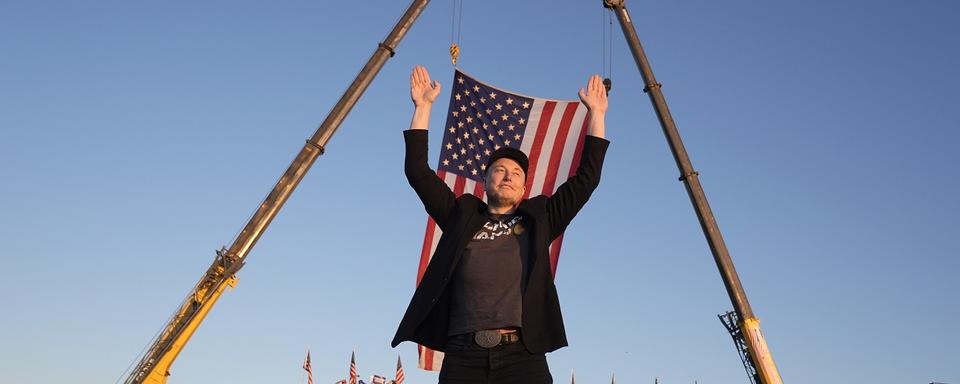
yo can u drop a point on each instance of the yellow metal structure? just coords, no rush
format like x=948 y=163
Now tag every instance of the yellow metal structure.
x=154 y=366
x=160 y=372
x=761 y=356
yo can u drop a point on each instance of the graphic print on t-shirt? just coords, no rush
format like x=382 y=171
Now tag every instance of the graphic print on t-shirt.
x=496 y=228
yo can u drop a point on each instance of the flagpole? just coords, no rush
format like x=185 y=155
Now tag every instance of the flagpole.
x=758 y=351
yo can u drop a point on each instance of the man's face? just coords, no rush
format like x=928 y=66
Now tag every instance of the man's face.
x=506 y=181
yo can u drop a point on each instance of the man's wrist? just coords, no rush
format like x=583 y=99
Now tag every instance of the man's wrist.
x=597 y=111
x=421 y=117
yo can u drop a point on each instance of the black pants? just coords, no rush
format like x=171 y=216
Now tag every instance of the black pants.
x=465 y=362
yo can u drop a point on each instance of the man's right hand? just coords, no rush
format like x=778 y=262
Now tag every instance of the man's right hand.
x=595 y=98
x=423 y=91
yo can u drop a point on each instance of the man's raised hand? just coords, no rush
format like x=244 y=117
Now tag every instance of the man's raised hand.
x=595 y=97
x=423 y=91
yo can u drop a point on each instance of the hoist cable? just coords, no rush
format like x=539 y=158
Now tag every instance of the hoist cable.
x=610 y=44
x=603 y=43
x=456 y=20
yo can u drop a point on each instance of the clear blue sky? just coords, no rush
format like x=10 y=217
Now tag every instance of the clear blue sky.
x=137 y=137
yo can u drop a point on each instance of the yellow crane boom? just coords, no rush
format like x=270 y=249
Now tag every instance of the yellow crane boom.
x=154 y=365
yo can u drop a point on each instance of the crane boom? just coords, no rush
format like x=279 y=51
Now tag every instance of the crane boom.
x=154 y=365
x=749 y=325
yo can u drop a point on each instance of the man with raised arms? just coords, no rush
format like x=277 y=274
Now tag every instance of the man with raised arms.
x=487 y=299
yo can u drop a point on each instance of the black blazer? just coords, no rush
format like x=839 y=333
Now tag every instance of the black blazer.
x=427 y=318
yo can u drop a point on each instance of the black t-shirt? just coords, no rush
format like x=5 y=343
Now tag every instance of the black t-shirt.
x=488 y=283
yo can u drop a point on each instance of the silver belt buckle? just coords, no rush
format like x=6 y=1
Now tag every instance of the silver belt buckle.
x=487 y=338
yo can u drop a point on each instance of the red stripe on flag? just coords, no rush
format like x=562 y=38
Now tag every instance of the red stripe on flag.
x=557 y=152
x=427 y=354
x=458 y=185
x=579 y=149
x=426 y=251
x=478 y=190
x=534 y=155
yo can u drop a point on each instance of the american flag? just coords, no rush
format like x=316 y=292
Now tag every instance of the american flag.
x=398 y=379
x=308 y=368
x=353 y=368
x=482 y=119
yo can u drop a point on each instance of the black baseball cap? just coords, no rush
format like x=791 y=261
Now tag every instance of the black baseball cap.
x=512 y=154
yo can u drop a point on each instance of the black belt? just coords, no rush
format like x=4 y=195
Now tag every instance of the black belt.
x=490 y=338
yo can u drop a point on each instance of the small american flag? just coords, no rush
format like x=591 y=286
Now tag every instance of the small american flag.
x=353 y=368
x=398 y=379
x=482 y=119
x=308 y=368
